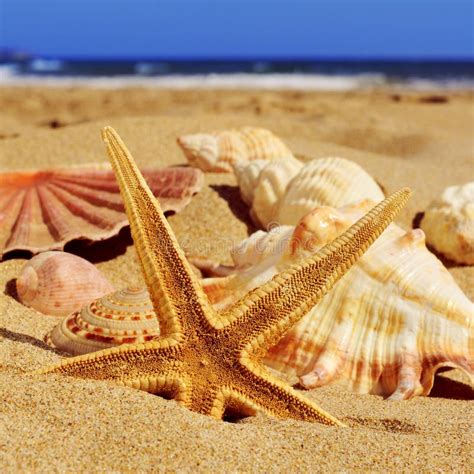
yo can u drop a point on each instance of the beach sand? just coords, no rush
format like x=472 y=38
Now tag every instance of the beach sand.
x=50 y=423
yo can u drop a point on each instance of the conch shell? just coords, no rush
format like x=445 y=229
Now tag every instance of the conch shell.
x=449 y=223
x=283 y=191
x=385 y=328
x=58 y=283
x=123 y=317
x=43 y=210
x=219 y=151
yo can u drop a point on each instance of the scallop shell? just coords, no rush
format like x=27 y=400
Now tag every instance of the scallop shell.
x=125 y=316
x=449 y=223
x=219 y=151
x=286 y=190
x=387 y=325
x=58 y=283
x=43 y=210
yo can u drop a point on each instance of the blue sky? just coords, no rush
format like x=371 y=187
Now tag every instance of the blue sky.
x=240 y=28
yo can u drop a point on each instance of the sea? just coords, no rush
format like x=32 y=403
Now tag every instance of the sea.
x=314 y=74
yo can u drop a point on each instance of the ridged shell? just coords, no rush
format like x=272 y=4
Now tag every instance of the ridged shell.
x=43 y=210
x=219 y=151
x=326 y=182
x=58 y=283
x=263 y=184
x=385 y=327
x=449 y=223
x=247 y=175
x=285 y=190
x=125 y=316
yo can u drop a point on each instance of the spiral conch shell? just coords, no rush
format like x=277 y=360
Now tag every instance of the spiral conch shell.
x=385 y=328
x=449 y=223
x=58 y=283
x=283 y=191
x=123 y=317
x=219 y=151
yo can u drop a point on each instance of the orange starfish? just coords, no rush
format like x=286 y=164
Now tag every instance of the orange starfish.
x=206 y=360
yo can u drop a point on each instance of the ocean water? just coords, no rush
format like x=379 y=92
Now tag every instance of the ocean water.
x=309 y=75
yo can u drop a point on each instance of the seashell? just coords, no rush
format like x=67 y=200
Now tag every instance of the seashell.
x=263 y=184
x=449 y=223
x=219 y=151
x=123 y=317
x=326 y=182
x=43 y=210
x=247 y=175
x=58 y=283
x=285 y=191
x=387 y=325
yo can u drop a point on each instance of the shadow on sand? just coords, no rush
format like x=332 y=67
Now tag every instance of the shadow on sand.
x=25 y=339
x=231 y=195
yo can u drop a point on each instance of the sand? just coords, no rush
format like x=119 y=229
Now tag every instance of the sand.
x=52 y=424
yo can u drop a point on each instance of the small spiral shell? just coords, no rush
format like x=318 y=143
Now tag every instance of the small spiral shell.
x=123 y=317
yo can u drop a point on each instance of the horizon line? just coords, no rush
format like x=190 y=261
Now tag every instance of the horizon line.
x=18 y=56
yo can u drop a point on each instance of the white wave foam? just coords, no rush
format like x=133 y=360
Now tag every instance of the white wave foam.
x=10 y=77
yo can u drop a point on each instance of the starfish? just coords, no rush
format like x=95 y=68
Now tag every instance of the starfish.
x=209 y=361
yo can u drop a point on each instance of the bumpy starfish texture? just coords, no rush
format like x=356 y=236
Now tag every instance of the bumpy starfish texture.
x=206 y=360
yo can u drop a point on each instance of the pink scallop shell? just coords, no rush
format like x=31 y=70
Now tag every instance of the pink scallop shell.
x=44 y=210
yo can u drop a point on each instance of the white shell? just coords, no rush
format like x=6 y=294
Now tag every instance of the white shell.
x=449 y=223
x=247 y=175
x=219 y=151
x=263 y=184
x=326 y=182
x=385 y=327
x=284 y=190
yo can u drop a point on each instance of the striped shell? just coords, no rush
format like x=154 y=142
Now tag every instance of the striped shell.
x=219 y=151
x=387 y=325
x=284 y=191
x=43 y=210
x=125 y=316
x=57 y=283
x=449 y=223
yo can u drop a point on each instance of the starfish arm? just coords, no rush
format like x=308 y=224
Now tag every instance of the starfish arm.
x=129 y=364
x=176 y=294
x=266 y=313
x=258 y=390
